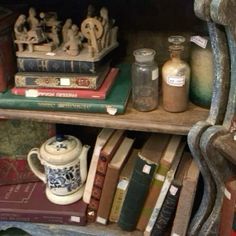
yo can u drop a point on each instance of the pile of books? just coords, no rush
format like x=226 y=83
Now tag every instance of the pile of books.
x=68 y=85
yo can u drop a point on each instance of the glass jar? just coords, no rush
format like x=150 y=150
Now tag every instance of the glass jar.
x=145 y=80
x=175 y=78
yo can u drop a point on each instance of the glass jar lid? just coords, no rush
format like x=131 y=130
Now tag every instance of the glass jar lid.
x=144 y=54
x=177 y=41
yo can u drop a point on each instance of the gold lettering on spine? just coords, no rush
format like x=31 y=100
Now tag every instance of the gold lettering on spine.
x=43 y=65
x=21 y=64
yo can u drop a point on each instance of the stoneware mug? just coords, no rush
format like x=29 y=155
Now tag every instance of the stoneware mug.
x=65 y=168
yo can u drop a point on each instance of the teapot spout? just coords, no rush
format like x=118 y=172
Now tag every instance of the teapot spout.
x=83 y=162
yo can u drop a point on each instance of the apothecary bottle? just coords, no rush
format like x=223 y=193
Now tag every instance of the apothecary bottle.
x=175 y=78
x=144 y=80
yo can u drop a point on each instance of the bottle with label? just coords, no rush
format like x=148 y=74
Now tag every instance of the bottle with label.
x=175 y=78
x=145 y=80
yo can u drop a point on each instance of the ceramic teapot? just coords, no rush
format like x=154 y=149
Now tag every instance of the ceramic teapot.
x=65 y=168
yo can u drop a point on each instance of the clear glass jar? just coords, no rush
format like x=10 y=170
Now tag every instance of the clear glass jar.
x=145 y=80
x=175 y=78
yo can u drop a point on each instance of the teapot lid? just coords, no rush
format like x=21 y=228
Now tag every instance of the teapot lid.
x=61 y=149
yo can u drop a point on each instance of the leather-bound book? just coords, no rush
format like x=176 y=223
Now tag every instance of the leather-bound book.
x=122 y=186
x=228 y=208
x=101 y=140
x=28 y=202
x=164 y=190
x=147 y=161
x=111 y=179
x=186 y=200
x=105 y=157
x=169 y=205
x=165 y=163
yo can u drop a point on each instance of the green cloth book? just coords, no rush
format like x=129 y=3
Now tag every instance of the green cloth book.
x=114 y=104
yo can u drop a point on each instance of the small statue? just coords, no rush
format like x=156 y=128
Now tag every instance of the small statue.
x=20 y=28
x=32 y=20
x=71 y=46
x=106 y=28
x=65 y=29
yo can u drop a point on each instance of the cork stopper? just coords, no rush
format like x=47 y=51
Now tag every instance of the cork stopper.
x=144 y=54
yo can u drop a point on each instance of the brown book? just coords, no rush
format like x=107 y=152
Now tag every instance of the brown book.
x=167 y=156
x=228 y=208
x=111 y=179
x=105 y=157
x=122 y=186
x=28 y=202
x=186 y=200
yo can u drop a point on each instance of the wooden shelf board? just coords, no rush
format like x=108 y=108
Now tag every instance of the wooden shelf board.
x=154 y=121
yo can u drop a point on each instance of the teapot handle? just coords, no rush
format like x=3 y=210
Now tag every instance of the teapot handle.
x=34 y=167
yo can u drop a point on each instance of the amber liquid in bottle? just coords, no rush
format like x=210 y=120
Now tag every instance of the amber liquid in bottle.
x=175 y=76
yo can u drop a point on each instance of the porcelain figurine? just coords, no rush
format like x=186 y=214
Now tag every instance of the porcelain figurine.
x=65 y=168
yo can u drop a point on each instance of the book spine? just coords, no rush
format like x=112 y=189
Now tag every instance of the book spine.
x=167 y=210
x=152 y=197
x=118 y=201
x=58 y=81
x=136 y=194
x=39 y=218
x=25 y=64
x=33 y=104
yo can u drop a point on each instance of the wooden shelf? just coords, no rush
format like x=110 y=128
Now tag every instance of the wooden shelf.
x=154 y=121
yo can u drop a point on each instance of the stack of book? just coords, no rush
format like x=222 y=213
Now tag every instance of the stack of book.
x=68 y=85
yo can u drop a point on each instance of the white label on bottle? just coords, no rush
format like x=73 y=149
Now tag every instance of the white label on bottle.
x=65 y=81
x=160 y=177
x=123 y=184
x=146 y=169
x=227 y=194
x=155 y=74
x=33 y=93
x=101 y=220
x=173 y=190
x=174 y=234
x=75 y=219
x=200 y=41
x=177 y=81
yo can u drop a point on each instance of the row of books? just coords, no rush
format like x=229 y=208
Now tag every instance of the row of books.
x=141 y=189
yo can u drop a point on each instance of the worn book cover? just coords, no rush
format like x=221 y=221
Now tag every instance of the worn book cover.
x=145 y=166
x=110 y=182
x=15 y=171
x=7 y=57
x=101 y=140
x=169 y=205
x=164 y=190
x=186 y=200
x=167 y=157
x=122 y=186
x=105 y=157
x=60 y=80
x=115 y=103
x=28 y=202
x=100 y=93
x=228 y=208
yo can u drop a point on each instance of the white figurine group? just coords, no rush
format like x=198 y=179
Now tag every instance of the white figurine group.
x=47 y=33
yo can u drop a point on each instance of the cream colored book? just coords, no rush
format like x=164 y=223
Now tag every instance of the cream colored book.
x=102 y=139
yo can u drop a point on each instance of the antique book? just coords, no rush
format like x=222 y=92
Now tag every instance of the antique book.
x=164 y=190
x=157 y=182
x=101 y=140
x=110 y=182
x=15 y=171
x=147 y=161
x=186 y=200
x=22 y=136
x=105 y=157
x=114 y=104
x=122 y=186
x=60 y=80
x=100 y=93
x=169 y=205
x=7 y=57
x=228 y=208
x=28 y=202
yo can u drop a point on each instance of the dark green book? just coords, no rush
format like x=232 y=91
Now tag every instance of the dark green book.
x=114 y=104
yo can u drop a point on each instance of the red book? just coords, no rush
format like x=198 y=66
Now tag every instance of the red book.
x=7 y=58
x=28 y=202
x=15 y=171
x=100 y=93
